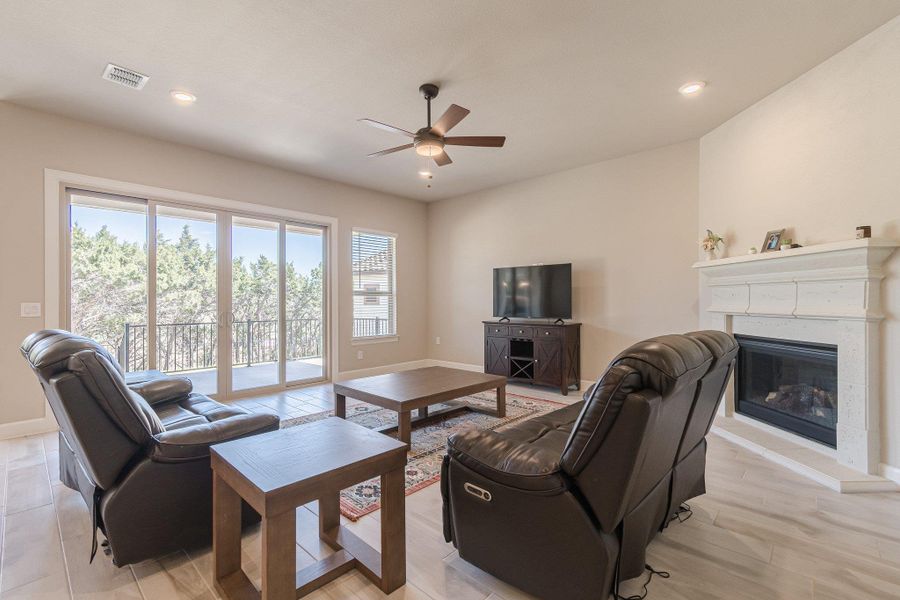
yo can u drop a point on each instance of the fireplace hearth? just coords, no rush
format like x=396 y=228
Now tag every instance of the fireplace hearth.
x=789 y=384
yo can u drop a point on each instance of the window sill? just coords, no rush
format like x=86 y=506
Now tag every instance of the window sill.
x=362 y=341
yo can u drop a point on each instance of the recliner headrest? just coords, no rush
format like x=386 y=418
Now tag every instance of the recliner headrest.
x=48 y=351
x=668 y=362
x=721 y=345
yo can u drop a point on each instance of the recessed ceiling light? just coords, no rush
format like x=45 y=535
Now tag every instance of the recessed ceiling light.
x=183 y=97
x=691 y=88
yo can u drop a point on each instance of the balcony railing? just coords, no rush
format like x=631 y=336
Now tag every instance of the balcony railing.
x=192 y=346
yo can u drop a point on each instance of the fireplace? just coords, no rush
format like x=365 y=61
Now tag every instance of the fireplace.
x=790 y=385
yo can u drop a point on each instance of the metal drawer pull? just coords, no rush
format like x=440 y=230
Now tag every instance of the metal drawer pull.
x=480 y=493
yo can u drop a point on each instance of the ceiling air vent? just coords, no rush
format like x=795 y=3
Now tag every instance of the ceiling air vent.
x=126 y=77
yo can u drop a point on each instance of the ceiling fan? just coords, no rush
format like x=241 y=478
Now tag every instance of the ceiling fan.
x=431 y=139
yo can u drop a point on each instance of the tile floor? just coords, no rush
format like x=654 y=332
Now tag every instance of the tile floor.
x=761 y=532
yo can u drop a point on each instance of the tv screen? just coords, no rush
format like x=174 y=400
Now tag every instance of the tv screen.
x=535 y=292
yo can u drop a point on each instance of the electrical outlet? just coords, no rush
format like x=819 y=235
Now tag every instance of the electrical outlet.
x=359 y=354
x=437 y=340
x=30 y=309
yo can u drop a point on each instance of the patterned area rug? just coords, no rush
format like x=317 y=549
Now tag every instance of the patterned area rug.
x=429 y=442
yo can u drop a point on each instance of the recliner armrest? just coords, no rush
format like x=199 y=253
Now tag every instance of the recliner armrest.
x=508 y=462
x=164 y=389
x=192 y=443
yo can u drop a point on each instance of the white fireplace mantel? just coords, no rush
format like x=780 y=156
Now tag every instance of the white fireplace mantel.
x=828 y=293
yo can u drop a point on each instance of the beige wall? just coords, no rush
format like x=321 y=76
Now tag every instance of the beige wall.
x=819 y=156
x=628 y=226
x=31 y=141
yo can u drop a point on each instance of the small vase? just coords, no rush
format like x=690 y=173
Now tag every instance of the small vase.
x=711 y=255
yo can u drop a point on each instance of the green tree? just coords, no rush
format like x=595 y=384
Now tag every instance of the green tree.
x=109 y=285
x=109 y=289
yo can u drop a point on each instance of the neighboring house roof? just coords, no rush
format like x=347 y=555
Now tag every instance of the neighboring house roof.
x=376 y=263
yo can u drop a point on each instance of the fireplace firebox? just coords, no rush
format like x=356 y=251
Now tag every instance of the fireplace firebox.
x=790 y=385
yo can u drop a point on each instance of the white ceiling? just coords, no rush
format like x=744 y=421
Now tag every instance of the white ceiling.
x=283 y=82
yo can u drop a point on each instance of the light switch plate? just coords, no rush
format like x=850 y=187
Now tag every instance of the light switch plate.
x=30 y=309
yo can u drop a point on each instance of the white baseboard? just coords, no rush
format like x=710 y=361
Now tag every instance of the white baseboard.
x=383 y=369
x=37 y=426
x=889 y=472
x=433 y=362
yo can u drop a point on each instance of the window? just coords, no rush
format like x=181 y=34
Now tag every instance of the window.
x=374 y=257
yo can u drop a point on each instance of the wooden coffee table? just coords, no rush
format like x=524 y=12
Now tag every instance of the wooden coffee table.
x=277 y=472
x=417 y=389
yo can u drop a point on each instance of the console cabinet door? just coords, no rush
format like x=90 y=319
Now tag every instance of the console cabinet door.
x=548 y=361
x=496 y=356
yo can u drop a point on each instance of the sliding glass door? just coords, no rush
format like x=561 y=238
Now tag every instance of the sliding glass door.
x=176 y=288
x=304 y=250
x=255 y=303
x=187 y=327
x=108 y=274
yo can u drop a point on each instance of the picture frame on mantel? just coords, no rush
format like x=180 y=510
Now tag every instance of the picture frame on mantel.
x=772 y=243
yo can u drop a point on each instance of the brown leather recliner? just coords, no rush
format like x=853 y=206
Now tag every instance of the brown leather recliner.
x=138 y=455
x=689 y=474
x=556 y=504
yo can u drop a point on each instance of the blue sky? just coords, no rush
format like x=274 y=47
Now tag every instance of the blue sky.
x=305 y=251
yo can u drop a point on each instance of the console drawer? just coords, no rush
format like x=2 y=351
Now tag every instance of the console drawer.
x=545 y=332
x=521 y=331
x=496 y=330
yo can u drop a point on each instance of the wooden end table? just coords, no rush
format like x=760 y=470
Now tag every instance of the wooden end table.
x=279 y=471
x=417 y=389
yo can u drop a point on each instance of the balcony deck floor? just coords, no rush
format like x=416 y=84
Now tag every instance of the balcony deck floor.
x=255 y=376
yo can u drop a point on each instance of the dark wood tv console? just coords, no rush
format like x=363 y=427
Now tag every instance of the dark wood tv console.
x=533 y=352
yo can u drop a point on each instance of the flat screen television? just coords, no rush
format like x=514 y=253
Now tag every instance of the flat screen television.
x=534 y=292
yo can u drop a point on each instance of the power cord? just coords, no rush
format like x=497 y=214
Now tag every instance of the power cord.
x=644 y=590
x=684 y=513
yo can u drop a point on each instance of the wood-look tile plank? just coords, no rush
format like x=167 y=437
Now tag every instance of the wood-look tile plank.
x=52 y=587
x=706 y=534
x=27 y=487
x=856 y=578
x=97 y=580
x=354 y=586
x=25 y=452
x=74 y=516
x=32 y=549
x=172 y=577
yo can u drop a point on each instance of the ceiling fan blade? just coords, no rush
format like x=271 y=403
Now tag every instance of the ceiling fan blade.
x=392 y=150
x=387 y=127
x=487 y=141
x=449 y=119
x=441 y=159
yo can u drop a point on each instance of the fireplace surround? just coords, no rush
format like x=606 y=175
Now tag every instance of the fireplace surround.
x=829 y=294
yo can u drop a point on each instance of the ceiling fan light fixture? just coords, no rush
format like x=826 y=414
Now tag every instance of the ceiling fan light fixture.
x=429 y=148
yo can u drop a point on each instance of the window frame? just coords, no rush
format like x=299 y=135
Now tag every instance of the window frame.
x=364 y=294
